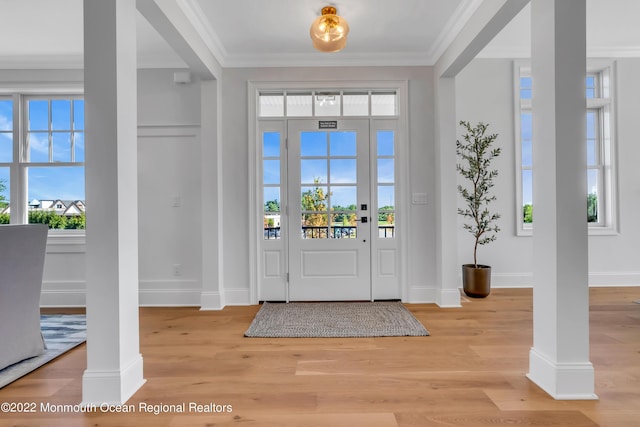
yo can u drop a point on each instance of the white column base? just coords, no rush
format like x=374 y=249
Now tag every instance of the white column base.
x=112 y=387
x=562 y=381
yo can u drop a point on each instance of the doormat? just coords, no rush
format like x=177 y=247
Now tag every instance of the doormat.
x=334 y=320
x=61 y=333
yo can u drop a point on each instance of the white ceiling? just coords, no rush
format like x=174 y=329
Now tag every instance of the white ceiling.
x=48 y=33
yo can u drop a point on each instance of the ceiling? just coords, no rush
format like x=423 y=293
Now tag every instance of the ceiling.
x=48 y=33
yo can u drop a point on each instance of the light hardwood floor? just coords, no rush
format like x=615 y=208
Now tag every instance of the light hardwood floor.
x=469 y=372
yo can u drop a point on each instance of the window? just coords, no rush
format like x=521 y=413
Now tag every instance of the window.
x=42 y=160
x=599 y=194
x=328 y=104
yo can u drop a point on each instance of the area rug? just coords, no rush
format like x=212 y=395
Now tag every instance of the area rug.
x=61 y=333
x=334 y=320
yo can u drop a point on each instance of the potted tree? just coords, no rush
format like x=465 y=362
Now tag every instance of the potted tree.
x=476 y=154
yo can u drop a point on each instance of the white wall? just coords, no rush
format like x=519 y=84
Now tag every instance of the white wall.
x=484 y=92
x=169 y=189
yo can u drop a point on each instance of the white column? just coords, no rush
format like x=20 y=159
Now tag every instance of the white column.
x=559 y=359
x=114 y=363
x=212 y=295
x=448 y=294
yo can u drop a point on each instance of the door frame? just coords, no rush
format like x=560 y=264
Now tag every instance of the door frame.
x=255 y=214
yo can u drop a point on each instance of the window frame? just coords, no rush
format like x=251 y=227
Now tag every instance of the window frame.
x=18 y=168
x=603 y=104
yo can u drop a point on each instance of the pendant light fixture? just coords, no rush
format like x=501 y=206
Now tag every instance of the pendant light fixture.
x=329 y=31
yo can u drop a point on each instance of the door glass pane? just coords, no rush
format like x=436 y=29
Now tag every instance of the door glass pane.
x=386 y=170
x=271 y=218
x=344 y=198
x=343 y=171
x=314 y=199
x=271 y=144
x=386 y=197
x=386 y=211
x=313 y=171
x=271 y=197
x=525 y=87
x=313 y=144
x=314 y=204
x=271 y=226
x=271 y=172
x=315 y=226
x=527 y=196
x=385 y=143
x=343 y=144
x=526 y=135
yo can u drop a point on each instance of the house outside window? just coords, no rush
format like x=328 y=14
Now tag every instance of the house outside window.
x=42 y=160
x=600 y=197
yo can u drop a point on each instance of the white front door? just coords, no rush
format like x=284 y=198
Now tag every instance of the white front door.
x=330 y=215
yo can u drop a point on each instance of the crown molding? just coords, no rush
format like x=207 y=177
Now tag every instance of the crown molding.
x=340 y=59
x=195 y=14
x=454 y=25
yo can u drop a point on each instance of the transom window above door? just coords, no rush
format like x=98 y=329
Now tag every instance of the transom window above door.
x=328 y=104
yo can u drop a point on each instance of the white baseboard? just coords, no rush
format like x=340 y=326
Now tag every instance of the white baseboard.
x=596 y=279
x=510 y=280
x=176 y=293
x=627 y=278
x=237 y=297
x=169 y=293
x=421 y=294
x=63 y=294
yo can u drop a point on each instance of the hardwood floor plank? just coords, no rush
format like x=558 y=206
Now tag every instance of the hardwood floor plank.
x=469 y=372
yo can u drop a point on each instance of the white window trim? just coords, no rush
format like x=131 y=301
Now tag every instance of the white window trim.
x=254 y=153
x=610 y=199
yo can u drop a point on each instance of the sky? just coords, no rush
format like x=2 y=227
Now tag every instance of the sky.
x=56 y=122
